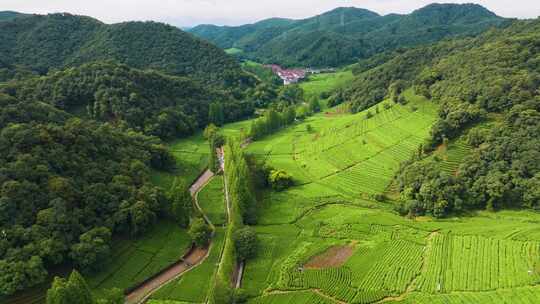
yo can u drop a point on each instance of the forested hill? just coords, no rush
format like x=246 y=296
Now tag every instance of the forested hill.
x=10 y=15
x=147 y=101
x=67 y=185
x=488 y=89
x=342 y=35
x=57 y=41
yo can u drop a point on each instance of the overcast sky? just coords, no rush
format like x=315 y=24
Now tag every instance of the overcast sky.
x=235 y=12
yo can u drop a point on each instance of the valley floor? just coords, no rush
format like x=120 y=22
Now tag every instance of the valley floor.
x=338 y=168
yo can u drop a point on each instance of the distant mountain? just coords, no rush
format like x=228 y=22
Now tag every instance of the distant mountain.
x=56 y=41
x=343 y=35
x=10 y=15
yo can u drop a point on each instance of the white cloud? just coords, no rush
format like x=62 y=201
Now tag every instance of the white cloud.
x=190 y=12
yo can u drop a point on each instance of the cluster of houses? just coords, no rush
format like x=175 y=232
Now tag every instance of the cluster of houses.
x=290 y=76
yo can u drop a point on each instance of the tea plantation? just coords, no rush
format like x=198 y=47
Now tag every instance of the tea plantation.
x=340 y=164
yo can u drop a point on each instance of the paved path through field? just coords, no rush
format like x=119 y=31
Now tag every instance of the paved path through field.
x=193 y=259
x=141 y=294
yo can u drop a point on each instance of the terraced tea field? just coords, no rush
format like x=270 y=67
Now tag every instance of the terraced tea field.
x=338 y=168
x=133 y=261
x=193 y=286
x=345 y=156
x=326 y=82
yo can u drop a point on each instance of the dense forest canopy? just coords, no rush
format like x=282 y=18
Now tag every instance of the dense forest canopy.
x=147 y=101
x=494 y=77
x=83 y=109
x=343 y=35
x=10 y=15
x=44 y=42
x=66 y=185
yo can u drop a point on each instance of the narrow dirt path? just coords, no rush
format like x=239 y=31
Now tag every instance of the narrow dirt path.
x=201 y=182
x=191 y=260
x=141 y=294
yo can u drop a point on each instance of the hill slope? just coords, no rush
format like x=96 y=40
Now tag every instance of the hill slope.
x=70 y=184
x=493 y=78
x=342 y=35
x=10 y=15
x=61 y=40
x=147 y=101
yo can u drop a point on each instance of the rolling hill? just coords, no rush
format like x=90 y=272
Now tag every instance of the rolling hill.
x=57 y=41
x=340 y=36
x=10 y=15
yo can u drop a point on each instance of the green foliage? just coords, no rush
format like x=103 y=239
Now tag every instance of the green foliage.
x=280 y=180
x=93 y=247
x=213 y=162
x=215 y=114
x=501 y=82
x=16 y=275
x=73 y=290
x=200 y=232
x=112 y=296
x=211 y=200
x=181 y=202
x=245 y=243
x=340 y=36
x=132 y=261
x=56 y=41
x=79 y=180
x=325 y=85
x=264 y=74
x=291 y=94
x=210 y=131
x=315 y=105
x=146 y=101
x=195 y=286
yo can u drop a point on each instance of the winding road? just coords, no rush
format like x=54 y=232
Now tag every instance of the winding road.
x=192 y=259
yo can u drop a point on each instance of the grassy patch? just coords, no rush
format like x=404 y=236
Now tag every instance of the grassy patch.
x=234 y=51
x=194 y=285
x=133 y=261
x=211 y=200
x=326 y=83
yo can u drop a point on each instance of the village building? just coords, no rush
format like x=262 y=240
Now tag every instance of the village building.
x=289 y=76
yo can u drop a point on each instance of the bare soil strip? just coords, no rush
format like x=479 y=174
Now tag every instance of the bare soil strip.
x=332 y=257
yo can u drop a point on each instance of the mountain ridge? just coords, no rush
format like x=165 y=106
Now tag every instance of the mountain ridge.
x=363 y=33
x=58 y=41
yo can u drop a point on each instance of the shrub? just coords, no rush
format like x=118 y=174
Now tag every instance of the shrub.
x=280 y=180
x=245 y=243
x=369 y=115
x=200 y=232
x=402 y=99
x=379 y=197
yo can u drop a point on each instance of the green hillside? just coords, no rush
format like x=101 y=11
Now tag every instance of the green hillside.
x=147 y=101
x=342 y=35
x=473 y=80
x=57 y=41
x=57 y=172
x=411 y=175
x=10 y=15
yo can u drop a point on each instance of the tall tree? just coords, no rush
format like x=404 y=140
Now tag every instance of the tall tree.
x=181 y=203
x=73 y=290
x=216 y=115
